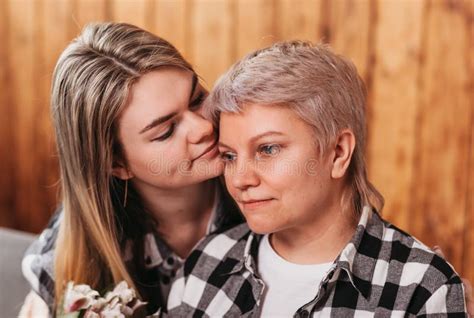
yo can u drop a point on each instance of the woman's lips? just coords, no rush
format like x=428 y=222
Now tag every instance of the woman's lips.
x=209 y=152
x=255 y=204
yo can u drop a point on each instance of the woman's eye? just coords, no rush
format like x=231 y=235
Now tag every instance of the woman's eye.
x=227 y=156
x=197 y=102
x=270 y=150
x=167 y=134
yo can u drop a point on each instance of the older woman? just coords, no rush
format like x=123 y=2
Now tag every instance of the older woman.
x=292 y=135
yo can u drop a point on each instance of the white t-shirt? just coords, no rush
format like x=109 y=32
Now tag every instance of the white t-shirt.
x=289 y=286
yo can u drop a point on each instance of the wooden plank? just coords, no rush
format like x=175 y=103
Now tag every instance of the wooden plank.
x=394 y=102
x=254 y=25
x=170 y=22
x=129 y=11
x=349 y=31
x=22 y=51
x=52 y=41
x=440 y=176
x=299 y=19
x=468 y=269
x=7 y=218
x=211 y=38
x=88 y=11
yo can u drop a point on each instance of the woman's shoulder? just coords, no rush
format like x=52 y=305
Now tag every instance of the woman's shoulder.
x=417 y=258
x=414 y=269
x=38 y=261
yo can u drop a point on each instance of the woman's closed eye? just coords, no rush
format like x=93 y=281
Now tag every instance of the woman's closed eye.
x=167 y=134
x=197 y=102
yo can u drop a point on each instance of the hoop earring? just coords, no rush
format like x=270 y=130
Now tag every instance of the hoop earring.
x=126 y=193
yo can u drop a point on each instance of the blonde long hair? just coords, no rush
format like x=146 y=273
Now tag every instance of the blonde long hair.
x=91 y=85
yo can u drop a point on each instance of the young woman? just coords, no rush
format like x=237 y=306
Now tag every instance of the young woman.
x=139 y=167
x=315 y=244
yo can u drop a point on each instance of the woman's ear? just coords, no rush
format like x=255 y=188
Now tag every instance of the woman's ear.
x=120 y=171
x=343 y=150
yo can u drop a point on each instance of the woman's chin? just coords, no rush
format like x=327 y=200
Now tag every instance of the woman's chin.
x=261 y=226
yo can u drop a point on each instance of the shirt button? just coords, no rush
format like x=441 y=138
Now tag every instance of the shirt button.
x=304 y=314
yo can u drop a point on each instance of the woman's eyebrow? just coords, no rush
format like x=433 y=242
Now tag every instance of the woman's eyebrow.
x=158 y=121
x=161 y=120
x=265 y=134
x=256 y=138
x=221 y=144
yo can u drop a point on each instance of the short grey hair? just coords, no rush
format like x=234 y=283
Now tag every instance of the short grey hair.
x=322 y=87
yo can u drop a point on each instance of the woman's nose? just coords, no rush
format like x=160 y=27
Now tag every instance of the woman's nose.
x=243 y=176
x=200 y=129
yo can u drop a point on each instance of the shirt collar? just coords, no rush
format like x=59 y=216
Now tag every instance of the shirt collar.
x=358 y=258
x=250 y=252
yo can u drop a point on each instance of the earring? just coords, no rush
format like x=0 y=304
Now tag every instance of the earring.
x=126 y=192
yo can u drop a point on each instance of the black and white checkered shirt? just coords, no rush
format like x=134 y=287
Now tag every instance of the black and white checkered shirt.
x=161 y=263
x=381 y=272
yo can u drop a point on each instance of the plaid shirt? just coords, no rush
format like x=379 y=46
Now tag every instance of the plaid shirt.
x=381 y=272
x=161 y=263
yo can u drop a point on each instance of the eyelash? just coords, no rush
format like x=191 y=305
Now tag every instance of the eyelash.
x=195 y=104
x=167 y=134
x=272 y=146
x=225 y=155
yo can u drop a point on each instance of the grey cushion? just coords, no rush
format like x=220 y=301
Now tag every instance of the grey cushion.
x=13 y=287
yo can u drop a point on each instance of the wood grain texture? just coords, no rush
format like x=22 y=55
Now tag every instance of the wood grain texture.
x=23 y=48
x=129 y=11
x=349 y=28
x=468 y=269
x=211 y=48
x=89 y=11
x=468 y=257
x=444 y=128
x=52 y=41
x=299 y=19
x=170 y=21
x=394 y=103
x=7 y=187
x=255 y=24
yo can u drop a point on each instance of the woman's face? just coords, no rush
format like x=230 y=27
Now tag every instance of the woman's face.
x=166 y=141
x=273 y=169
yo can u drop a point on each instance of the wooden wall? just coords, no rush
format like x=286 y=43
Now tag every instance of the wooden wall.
x=416 y=58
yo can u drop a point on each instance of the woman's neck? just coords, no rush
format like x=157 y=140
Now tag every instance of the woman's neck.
x=316 y=242
x=182 y=215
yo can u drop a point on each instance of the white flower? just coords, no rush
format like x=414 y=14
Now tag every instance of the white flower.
x=78 y=297
x=98 y=304
x=91 y=314
x=112 y=310
x=121 y=302
x=122 y=291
